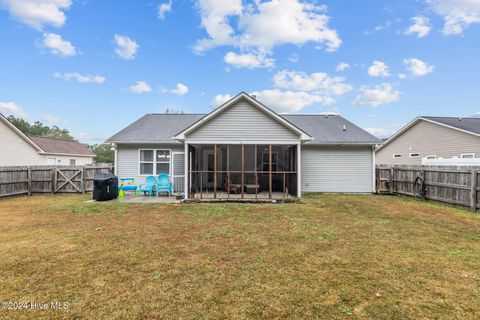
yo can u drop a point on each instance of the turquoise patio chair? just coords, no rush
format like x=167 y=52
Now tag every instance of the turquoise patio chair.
x=148 y=186
x=164 y=184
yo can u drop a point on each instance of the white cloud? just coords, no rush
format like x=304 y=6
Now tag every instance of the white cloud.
x=264 y=25
x=10 y=108
x=384 y=132
x=50 y=119
x=342 y=66
x=248 y=60
x=180 y=89
x=417 y=67
x=290 y=101
x=378 y=69
x=126 y=48
x=376 y=96
x=402 y=76
x=457 y=14
x=318 y=82
x=67 y=76
x=37 y=13
x=163 y=9
x=57 y=45
x=293 y=58
x=421 y=27
x=140 y=87
x=220 y=99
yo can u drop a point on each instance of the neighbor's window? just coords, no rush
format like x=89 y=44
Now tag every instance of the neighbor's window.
x=414 y=155
x=397 y=155
x=431 y=157
x=72 y=162
x=468 y=156
x=163 y=161
x=146 y=162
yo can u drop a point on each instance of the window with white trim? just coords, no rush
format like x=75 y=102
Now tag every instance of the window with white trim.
x=467 y=155
x=431 y=157
x=146 y=162
x=154 y=162
x=414 y=155
x=397 y=155
x=162 y=162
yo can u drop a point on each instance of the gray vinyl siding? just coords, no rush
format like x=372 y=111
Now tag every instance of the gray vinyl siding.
x=242 y=122
x=128 y=159
x=428 y=138
x=337 y=169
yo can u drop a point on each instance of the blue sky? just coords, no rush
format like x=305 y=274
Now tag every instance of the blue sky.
x=96 y=66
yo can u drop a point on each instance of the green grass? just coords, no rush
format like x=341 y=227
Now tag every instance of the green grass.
x=329 y=257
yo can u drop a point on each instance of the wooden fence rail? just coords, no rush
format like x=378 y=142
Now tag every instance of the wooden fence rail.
x=48 y=179
x=449 y=184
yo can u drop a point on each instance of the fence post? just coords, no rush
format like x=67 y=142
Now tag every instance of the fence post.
x=53 y=180
x=390 y=184
x=473 y=191
x=29 y=173
x=83 y=180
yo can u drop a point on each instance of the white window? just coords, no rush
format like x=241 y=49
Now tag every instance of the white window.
x=154 y=162
x=467 y=156
x=52 y=161
x=72 y=162
x=163 y=161
x=431 y=157
x=414 y=155
x=397 y=155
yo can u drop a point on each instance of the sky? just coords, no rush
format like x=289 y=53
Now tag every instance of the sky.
x=94 y=67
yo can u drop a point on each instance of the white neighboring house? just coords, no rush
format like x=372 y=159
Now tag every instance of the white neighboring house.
x=18 y=149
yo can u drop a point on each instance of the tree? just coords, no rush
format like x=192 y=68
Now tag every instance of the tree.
x=103 y=152
x=39 y=129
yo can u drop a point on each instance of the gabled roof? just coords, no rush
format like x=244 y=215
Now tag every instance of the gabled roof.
x=46 y=145
x=325 y=129
x=242 y=95
x=61 y=146
x=466 y=125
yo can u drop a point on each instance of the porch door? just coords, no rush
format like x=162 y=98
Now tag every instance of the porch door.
x=178 y=172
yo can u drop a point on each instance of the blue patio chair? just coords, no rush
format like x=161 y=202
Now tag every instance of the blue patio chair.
x=147 y=186
x=164 y=184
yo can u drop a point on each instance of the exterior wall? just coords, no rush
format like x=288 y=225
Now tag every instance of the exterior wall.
x=65 y=160
x=242 y=122
x=127 y=165
x=427 y=138
x=16 y=151
x=337 y=169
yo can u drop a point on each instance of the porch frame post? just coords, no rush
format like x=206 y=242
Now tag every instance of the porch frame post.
x=214 y=171
x=270 y=185
x=185 y=182
x=299 y=170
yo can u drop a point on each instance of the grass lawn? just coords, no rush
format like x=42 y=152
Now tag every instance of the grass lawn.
x=333 y=256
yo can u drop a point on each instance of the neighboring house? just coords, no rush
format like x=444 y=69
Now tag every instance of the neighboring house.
x=244 y=149
x=18 y=149
x=432 y=138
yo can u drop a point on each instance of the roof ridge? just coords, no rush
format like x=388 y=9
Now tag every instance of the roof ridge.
x=53 y=138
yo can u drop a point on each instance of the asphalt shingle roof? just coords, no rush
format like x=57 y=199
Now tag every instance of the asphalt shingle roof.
x=467 y=124
x=55 y=145
x=324 y=129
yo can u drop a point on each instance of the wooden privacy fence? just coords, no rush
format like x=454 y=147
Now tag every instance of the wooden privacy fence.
x=449 y=184
x=48 y=179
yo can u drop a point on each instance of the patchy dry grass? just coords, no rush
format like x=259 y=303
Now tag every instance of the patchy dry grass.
x=333 y=256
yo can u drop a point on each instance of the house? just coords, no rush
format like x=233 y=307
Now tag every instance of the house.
x=19 y=149
x=243 y=149
x=431 y=138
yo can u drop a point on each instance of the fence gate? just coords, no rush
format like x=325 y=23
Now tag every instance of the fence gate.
x=178 y=171
x=69 y=180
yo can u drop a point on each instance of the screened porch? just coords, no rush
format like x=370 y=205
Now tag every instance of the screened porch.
x=242 y=171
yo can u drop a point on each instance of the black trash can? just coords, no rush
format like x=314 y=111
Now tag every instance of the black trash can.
x=105 y=186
